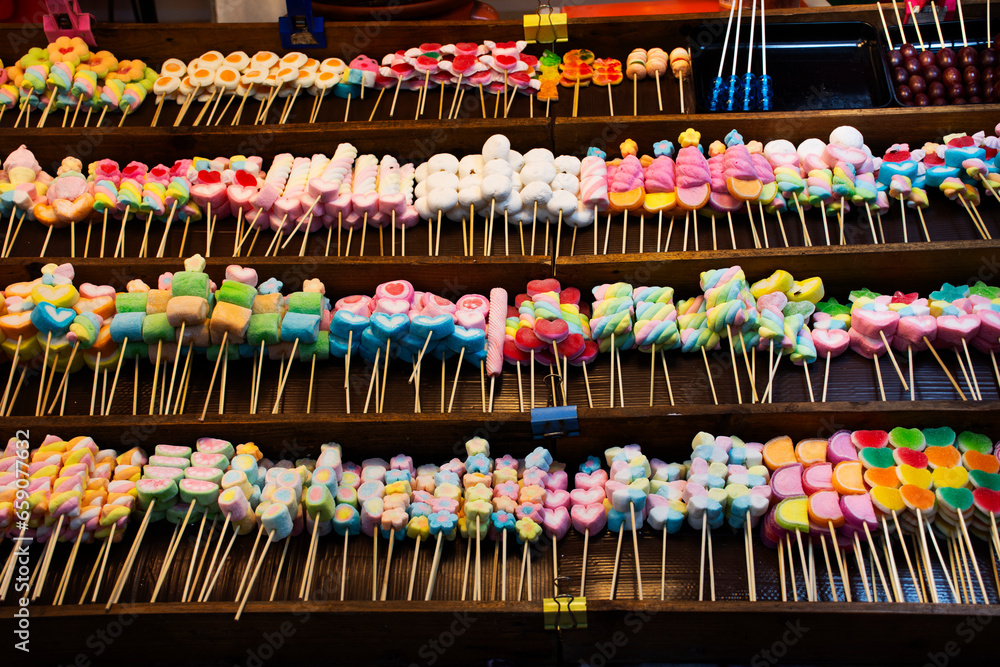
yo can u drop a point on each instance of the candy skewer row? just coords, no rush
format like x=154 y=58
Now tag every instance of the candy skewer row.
x=886 y=490
x=299 y=197
x=50 y=324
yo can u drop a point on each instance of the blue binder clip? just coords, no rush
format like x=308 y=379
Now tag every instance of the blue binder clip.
x=554 y=422
x=64 y=19
x=300 y=29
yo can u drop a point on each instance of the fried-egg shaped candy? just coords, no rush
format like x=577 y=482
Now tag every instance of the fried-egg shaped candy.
x=264 y=60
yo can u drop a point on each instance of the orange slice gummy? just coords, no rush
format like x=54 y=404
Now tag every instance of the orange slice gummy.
x=847 y=478
x=810 y=452
x=779 y=452
x=627 y=201
x=745 y=190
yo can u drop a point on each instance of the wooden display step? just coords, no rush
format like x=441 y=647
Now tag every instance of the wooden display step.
x=471 y=633
x=843 y=268
x=434 y=436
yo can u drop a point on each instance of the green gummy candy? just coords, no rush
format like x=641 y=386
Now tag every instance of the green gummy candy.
x=213 y=475
x=236 y=293
x=875 y=457
x=212 y=353
x=803 y=308
x=199 y=491
x=958 y=500
x=190 y=283
x=130 y=302
x=320 y=349
x=939 y=437
x=136 y=349
x=158 y=514
x=832 y=308
x=308 y=303
x=264 y=327
x=155 y=328
x=173 y=450
x=984 y=290
x=969 y=441
x=862 y=293
x=985 y=480
x=158 y=490
x=216 y=446
x=911 y=438
x=177 y=513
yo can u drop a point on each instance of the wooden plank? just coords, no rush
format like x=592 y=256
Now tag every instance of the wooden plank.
x=881 y=127
x=431 y=436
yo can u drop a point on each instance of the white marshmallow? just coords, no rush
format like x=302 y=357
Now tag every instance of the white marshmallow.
x=501 y=167
x=567 y=182
x=470 y=164
x=539 y=155
x=537 y=171
x=569 y=164
x=845 y=135
x=536 y=191
x=420 y=173
x=778 y=147
x=521 y=217
x=443 y=162
x=810 y=147
x=421 y=189
x=581 y=217
x=561 y=201
x=472 y=180
x=442 y=179
x=422 y=207
x=442 y=199
x=496 y=147
x=496 y=187
x=471 y=196
x=516 y=160
x=512 y=204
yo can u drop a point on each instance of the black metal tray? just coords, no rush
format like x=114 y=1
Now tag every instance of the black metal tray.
x=835 y=65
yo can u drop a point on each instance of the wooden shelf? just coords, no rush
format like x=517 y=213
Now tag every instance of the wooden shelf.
x=450 y=630
x=385 y=435
x=468 y=633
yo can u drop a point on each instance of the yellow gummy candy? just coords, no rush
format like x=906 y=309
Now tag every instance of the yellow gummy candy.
x=810 y=289
x=954 y=478
x=920 y=477
x=779 y=281
x=887 y=498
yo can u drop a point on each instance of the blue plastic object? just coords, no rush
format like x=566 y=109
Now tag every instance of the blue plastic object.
x=553 y=422
x=300 y=29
